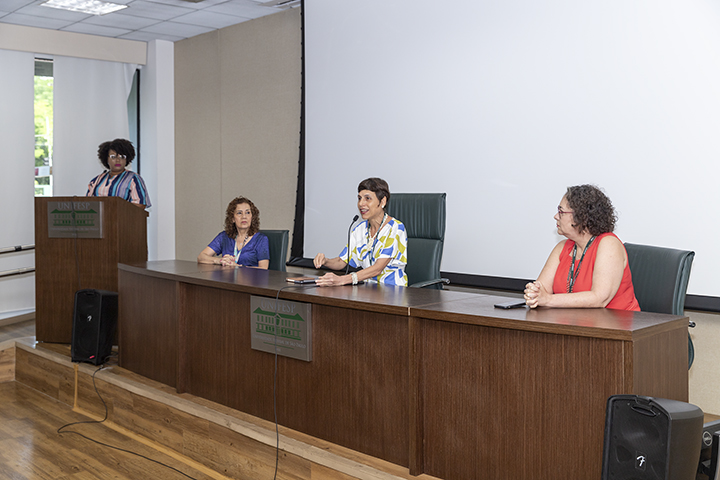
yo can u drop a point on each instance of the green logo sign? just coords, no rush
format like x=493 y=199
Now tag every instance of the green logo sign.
x=81 y=219
x=281 y=327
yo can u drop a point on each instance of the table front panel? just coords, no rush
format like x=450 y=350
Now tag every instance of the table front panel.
x=509 y=404
x=353 y=393
x=147 y=326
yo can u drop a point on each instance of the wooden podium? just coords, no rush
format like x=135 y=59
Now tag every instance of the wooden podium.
x=59 y=260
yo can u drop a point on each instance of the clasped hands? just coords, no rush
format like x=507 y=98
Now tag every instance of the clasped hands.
x=228 y=261
x=533 y=294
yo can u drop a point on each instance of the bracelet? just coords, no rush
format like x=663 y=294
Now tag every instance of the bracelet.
x=354 y=278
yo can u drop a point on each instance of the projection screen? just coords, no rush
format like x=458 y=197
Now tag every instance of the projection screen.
x=502 y=105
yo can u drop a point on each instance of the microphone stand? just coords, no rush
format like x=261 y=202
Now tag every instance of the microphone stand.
x=347 y=266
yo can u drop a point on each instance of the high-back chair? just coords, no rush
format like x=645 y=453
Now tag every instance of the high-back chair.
x=423 y=215
x=660 y=279
x=278 y=240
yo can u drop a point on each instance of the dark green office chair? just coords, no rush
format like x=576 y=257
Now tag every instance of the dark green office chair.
x=278 y=240
x=423 y=215
x=660 y=279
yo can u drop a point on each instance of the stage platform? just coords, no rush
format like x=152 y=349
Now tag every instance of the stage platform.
x=224 y=442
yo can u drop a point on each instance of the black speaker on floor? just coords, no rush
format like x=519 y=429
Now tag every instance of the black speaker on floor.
x=94 y=324
x=709 y=468
x=650 y=438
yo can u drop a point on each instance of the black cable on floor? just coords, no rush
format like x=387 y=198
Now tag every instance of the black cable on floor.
x=59 y=431
x=277 y=324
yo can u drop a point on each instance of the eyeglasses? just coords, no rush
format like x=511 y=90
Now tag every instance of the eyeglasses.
x=561 y=211
x=113 y=157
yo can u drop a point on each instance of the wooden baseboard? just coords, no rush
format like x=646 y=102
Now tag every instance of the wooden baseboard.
x=17 y=319
x=226 y=441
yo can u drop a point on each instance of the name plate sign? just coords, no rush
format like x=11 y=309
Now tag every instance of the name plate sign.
x=68 y=219
x=281 y=326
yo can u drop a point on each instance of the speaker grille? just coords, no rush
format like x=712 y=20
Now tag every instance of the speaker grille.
x=651 y=439
x=94 y=324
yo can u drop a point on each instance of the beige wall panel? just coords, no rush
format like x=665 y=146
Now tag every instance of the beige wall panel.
x=704 y=374
x=199 y=204
x=261 y=80
x=70 y=44
x=237 y=125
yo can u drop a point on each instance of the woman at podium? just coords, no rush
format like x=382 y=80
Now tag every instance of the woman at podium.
x=590 y=269
x=378 y=244
x=240 y=244
x=116 y=181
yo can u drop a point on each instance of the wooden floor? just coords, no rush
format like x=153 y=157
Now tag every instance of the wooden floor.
x=31 y=448
x=17 y=330
x=198 y=437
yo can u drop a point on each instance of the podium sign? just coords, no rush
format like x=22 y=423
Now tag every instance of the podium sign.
x=68 y=219
x=281 y=326
x=80 y=241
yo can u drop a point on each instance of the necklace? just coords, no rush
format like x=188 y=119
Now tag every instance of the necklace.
x=573 y=272
x=375 y=237
x=237 y=251
x=379 y=228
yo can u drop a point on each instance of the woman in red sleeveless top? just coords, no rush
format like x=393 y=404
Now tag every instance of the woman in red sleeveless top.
x=589 y=269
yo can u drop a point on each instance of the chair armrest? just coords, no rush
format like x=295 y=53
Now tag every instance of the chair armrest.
x=427 y=283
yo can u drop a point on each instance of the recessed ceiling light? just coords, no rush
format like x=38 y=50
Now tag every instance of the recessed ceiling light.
x=93 y=7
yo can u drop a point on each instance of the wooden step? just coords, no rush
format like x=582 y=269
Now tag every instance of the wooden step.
x=211 y=438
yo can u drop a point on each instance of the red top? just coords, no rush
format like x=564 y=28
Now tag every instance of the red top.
x=624 y=299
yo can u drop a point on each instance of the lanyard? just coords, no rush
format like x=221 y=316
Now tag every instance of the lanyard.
x=237 y=252
x=573 y=272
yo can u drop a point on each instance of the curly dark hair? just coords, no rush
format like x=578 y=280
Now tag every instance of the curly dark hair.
x=592 y=209
x=121 y=147
x=378 y=186
x=230 y=227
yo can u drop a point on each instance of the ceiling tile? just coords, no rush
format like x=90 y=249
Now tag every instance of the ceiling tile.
x=143 y=20
x=49 y=12
x=194 y=5
x=242 y=9
x=210 y=19
x=32 y=21
x=178 y=29
x=141 y=8
x=12 y=5
x=119 y=20
x=96 y=30
x=147 y=36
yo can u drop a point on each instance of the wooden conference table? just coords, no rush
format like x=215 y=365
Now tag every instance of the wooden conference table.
x=437 y=381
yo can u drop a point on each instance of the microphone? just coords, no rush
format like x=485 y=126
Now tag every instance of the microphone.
x=347 y=267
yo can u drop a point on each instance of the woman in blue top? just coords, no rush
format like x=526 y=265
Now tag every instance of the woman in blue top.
x=240 y=244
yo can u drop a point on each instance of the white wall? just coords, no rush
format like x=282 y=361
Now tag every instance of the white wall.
x=17 y=158
x=17 y=137
x=157 y=137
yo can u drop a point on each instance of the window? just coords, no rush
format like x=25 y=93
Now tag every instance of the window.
x=43 y=127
